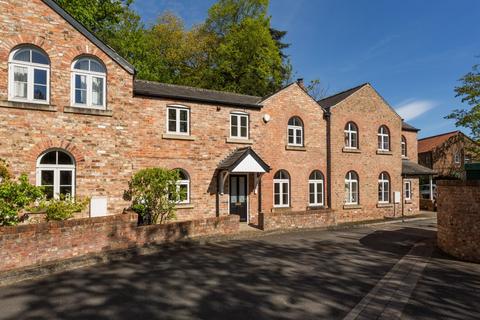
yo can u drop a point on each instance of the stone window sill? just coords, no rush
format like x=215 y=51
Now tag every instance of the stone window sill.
x=352 y=206
x=184 y=206
x=27 y=105
x=385 y=153
x=295 y=148
x=351 y=150
x=239 y=141
x=88 y=111
x=384 y=205
x=170 y=136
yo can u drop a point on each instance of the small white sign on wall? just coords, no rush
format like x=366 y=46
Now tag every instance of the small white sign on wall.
x=98 y=207
x=396 y=197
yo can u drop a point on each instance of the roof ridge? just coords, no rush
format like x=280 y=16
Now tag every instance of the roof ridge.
x=196 y=88
x=344 y=91
x=441 y=134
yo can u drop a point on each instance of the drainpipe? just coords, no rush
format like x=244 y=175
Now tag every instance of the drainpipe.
x=328 y=117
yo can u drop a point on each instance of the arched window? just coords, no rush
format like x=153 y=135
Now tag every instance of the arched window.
x=384 y=188
x=281 y=189
x=56 y=173
x=351 y=136
x=315 y=187
x=183 y=186
x=351 y=188
x=295 y=131
x=88 y=83
x=29 y=75
x=404 y=146
x=383 y=139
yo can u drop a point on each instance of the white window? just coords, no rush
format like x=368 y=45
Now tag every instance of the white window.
x=467 y=158
x=351 y=136
x=404 y=146
x=89 y=83
x=383 y=139
x=351 y=188
x=56 y=173
x=239 y=125
x=178 y=120
x=384 y=188
x=315 y=186
x=408 y=190
x=281 y=186
x=29 y=76
x=457 y=157
x=295 y=131
x=183 y=186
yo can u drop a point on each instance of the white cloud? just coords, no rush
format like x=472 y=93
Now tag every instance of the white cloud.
x=412 y=109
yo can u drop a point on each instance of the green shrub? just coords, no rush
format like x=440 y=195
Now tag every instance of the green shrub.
x=154 y=194
x=15 y=197
x=61 y=209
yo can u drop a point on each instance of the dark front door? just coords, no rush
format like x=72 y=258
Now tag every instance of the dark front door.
x=238 y=196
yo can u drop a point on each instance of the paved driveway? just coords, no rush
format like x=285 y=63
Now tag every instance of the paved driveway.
x=301 y=275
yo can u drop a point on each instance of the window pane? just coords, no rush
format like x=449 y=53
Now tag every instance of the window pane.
x=38 y=57
x=64 y=158
x=66 y=190
x=81 y=64
x=183 y=115
x=183 y=126
x=40 y=76
x=80 y=82
x=319 y=193
x=234 y=131
x=291 y=138
x=312 y=198
x=40 y=92
x=80 y=96
x=47 y=178
x=20 y=78
x=243 y=132
x=183 y=192
x=243 y=121
x=172 y=114
x=277 y=199
x=49 y=158
x=22 y=55
x=96 y=67
x=298 y=137
x=277 y=187
x=66 y=178
x=234 y=120
x=97 y=91
x=380 y=142
x=48 y=192
x=285 y=193
x=353 y=140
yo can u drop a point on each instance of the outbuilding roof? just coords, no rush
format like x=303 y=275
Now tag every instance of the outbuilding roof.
x=408 y=127
x=172 y=91
x=429 y=143
x=410 y=168
x=90 y=36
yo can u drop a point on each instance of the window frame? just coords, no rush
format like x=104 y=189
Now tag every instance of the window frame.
x=348 y=133
x=404 y=147
x=56 y=168
x=382 y=183
x=296 y=129
x=350 y=181
x=383 y=137
x=316 y=182
x=31 y=67
x=178 y=109
x=184 y=182
x=281 y=182
x=407 y=190
x=239 y=115
x=457 y=158
x=89 y=75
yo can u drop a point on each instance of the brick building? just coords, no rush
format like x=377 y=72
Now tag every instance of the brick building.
x=75 y=119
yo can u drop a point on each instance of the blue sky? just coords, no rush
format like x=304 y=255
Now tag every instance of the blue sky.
x=413 y=52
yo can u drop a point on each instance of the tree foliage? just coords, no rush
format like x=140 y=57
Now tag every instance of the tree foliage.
x=469 y=91
x=62 y=208
x=154 y=194
x=235 y=49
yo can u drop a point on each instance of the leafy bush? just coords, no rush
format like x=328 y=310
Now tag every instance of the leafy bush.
x=61 y=209
x=15 y=197
x=154 y=194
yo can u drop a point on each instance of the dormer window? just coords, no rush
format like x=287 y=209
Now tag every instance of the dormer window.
x=29 y=75
x=89 y=83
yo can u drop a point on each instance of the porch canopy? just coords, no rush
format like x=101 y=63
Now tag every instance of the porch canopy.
x=242 y=160
x=412 y=169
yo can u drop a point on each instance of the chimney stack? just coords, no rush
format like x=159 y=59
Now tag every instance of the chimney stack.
x=300 y=83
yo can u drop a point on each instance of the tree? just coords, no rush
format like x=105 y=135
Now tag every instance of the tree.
x=154 y=194
x=316 y=89
x=469 y=91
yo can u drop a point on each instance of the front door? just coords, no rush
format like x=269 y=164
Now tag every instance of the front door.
x=238 y=196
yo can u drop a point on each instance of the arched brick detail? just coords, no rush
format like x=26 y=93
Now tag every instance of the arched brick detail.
x=41 y=147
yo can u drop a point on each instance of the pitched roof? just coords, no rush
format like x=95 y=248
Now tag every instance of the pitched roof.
x=410 y=168
x=232 y=160
x=90 y=36
x=329 y=102
x=429 y=143
x=408 y=127
x=172 y=91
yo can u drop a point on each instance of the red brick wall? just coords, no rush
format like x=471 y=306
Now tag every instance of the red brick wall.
x=296 y=220
x=458 y=219
x=412 y=206
x=26 y=245
x=369 y=111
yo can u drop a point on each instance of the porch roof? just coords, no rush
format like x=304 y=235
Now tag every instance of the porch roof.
x=410 y=168
x=244 y=160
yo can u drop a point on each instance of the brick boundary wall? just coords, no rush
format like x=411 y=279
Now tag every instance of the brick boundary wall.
x=296 y=220
x=27 y=245
x=459 y=219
